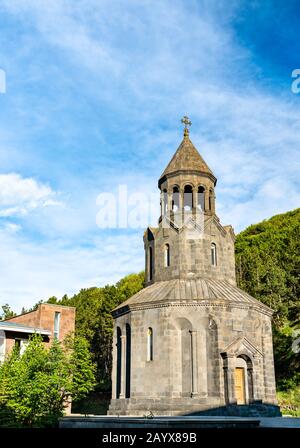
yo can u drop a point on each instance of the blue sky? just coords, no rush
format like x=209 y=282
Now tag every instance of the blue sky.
x=95 y=93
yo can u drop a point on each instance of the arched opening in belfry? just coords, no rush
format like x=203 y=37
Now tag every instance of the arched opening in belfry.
x=188 y=198
x=175 y=199
x=128 y=361
x=201 y=198
x=119 y=362
x=150 y=263
x=167 y=255
x=165 y=202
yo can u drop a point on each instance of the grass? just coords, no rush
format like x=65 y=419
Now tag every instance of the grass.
x=289 y=401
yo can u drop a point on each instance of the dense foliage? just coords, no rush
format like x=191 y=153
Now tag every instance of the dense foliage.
x=94 y=321
x=35 y=386
x=7 y=312
x=268 y=267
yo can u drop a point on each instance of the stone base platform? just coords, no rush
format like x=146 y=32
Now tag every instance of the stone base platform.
x=183 y=422
x=189 y=407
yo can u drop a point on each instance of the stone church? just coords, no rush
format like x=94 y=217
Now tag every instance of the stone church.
x=191 y=341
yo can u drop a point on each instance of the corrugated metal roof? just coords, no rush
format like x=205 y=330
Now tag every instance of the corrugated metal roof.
x=192 y=290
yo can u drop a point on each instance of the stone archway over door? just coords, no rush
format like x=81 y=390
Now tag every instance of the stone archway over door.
x=238 y=372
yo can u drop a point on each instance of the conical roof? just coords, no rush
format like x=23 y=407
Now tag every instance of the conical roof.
x=187 y=158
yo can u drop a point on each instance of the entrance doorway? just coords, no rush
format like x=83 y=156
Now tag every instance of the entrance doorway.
x=240 y=385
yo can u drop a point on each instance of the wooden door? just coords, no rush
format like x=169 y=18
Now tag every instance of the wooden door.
x=240 y=385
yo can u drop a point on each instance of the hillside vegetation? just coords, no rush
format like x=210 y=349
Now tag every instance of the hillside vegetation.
x=268 y=268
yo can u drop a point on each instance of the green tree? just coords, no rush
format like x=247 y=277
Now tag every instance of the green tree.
x=7 y=312
x=94 y=321
x=36 y=386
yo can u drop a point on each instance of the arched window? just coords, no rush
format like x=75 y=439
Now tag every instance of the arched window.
x=188 y=197
x=150 y=344
x=167 y=255
x=201 y=198
x=150 y=263
x=213 y=251
x=175 y=199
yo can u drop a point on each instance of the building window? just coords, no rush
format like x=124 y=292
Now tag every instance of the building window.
x=23 y=346
x=2 y=345
x=150 y=344
x=167 y=255
x=56 y=324
x=213 y=250
x=17 y=345
x=20 y=345
x=150 y=263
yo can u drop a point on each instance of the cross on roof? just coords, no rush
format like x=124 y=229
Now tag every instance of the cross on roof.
x=187 y=122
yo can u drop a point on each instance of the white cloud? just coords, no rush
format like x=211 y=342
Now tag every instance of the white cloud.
x=31 y=271
x=273 y=196
x=19 y=195
x=152 y=61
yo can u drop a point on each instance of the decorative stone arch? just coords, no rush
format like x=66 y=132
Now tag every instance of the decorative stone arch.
x=128 y=360
x=235 y=354
x=188 y=353
x=213 y=356
x=119 y=362
x=185 y=183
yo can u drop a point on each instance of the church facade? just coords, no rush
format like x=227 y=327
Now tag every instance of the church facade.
x=191 y=341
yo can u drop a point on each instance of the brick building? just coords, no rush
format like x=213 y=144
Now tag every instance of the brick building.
x=50 y=321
